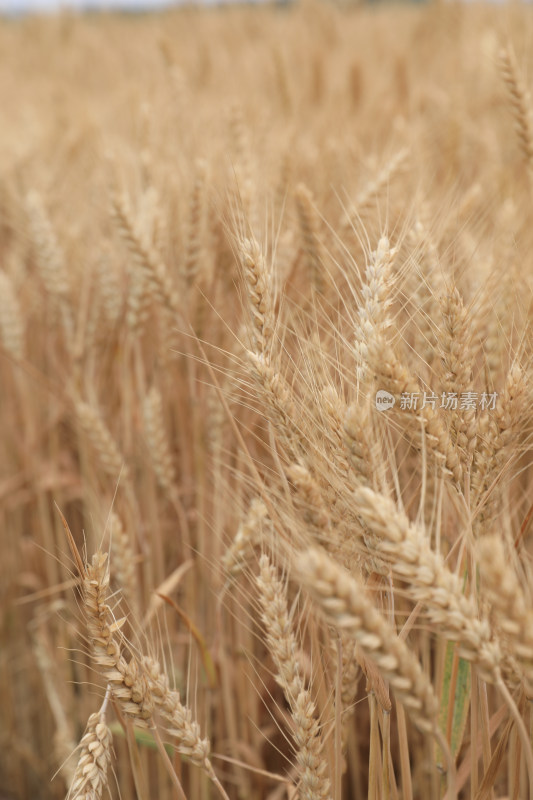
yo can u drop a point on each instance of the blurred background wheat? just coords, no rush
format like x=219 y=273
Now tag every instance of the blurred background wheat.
x=225 y=571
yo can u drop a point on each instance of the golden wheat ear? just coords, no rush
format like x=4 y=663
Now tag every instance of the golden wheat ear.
x=12 y=320
x=138 y=684
x=345 y=604
x=521 y=105
x=90 y=777
x=281 y=641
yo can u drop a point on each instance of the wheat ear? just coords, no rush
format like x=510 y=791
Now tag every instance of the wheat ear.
x=345 y=604
x=183 y=728
x=139 y=300
x=50 y=262
x=157 y=441
x=110 y=458
x=350 y=675
x=49 y=256
x=308 y=219
x=283 y=646
x=124 y=563
x=393 y=375
x=90 y=777
x=428 y=286
x=309 y=495
x=521 y=104
x=260 y=301
x=139 y=685
x=455 y=345
x=126 y=679
x=361 y=444
x=368 y=196
x=109 y=291
x=193 y=262
x=373 y=318
x=495 y=451
x=278 y=397
x=249 y=534
x=333 y=410
x=405 y=548
x=12 y=325
x=510 y=608
x=146 y=258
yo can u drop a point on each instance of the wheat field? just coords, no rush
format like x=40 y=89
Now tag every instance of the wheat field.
x=266 y=318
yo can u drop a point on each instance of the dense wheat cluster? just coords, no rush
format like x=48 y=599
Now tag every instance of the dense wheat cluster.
x=266 y=504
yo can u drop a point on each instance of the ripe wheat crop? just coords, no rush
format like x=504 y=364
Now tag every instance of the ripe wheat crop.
x=266 y=320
